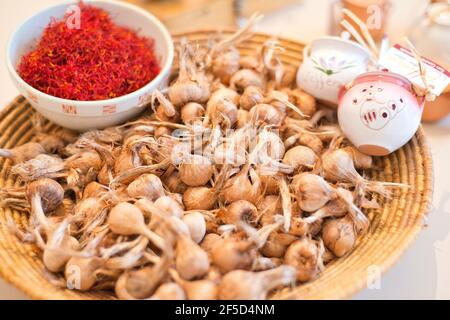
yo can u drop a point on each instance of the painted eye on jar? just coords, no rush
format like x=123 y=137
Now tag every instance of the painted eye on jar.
x=384 y=113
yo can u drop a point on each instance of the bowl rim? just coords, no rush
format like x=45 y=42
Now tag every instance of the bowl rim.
x=362 y=51
x=165 y=69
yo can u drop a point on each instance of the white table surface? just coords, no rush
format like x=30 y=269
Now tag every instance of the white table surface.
x=424 y=271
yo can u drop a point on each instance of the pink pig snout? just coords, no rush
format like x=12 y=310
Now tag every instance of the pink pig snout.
x=369 y=116
x=376 y=118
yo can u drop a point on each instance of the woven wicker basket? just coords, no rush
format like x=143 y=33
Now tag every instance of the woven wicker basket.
x=393 y=228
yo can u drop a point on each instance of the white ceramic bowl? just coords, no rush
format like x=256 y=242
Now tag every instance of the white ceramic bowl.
x=328 y=64
x=85 y=115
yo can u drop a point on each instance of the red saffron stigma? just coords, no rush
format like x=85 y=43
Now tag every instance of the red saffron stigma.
x=98 y=61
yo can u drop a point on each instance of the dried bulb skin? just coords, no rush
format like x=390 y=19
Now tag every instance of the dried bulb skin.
x=278 y=99
x=162 y=131
x=192 y=112
x=80 y=272
x=148 y=186
x=191 y=260
x=242 y=186
x=334 y=208
x=311 y=141
x=42 y=166
x=232 y=153
x=170 y=206
x=242 y=118
x=270 y=184
x=250 y=97
x=299 y=227
x=361 y=223
x=174 y=183
x=196 y=289
x=338 y=166
x=263 y=263
x=246 y=285
x=199 y=198
x=306 y=257
x=196 y=171
x=84 y=161
x=250 y=62
x=125 y=161
x=226 y=64
x=299 y=157
x=273 y=145
x=192 y=84
x=288 y=78
x=50 y=192
x=230 y=254
x=266 y=114
x=328 y=256
x=239 y=211
x=88 y=208
x=227 y=112
x=222 y=107
x=315 y=227
x=196 y=225
x=313 y=191
x=277 y=244
x=268 y=208
x=305 y=102
x=192 y=91
x=169 y=291
x=141 y=283
x=209 y=241
x=93 y=189
x=214 y=275
x=202 y=290
x=245 y=78
x=361 y=160
x=24 y=152
x=180 y=226
x=339 y=236
x=222 y=95
x=163 y=109
x=134 y=218
x=51 y=143
x=109 y=135
x=177 y=197
x=55 y=260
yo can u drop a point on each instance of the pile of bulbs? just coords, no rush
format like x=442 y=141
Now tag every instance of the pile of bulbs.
x=234 y=186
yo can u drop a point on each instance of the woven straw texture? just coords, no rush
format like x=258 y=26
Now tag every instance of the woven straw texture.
x=393 y=228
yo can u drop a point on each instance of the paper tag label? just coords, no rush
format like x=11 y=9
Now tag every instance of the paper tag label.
x=400 y=60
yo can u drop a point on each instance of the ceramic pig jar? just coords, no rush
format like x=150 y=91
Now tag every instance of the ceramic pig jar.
x=379 y=112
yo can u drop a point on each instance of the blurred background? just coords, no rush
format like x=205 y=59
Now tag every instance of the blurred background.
x=424 y=271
